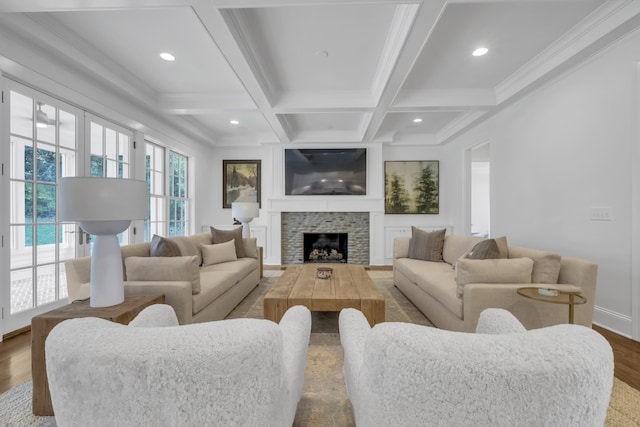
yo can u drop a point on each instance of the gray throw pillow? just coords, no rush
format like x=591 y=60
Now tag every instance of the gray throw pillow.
x=487 y=249
x=426 y=245
x=161 y=246
x=221 y=236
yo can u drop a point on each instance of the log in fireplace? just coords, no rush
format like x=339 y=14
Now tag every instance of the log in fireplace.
x=325 y=247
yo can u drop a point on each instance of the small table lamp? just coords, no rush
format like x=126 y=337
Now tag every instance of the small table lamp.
x=245 y=212
x=104 y=207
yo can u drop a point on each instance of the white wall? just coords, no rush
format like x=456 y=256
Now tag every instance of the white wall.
x=559 y=152
x=211 y=186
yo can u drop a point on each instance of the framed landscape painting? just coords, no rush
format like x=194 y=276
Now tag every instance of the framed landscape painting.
x=240 y=182
x=412 y=187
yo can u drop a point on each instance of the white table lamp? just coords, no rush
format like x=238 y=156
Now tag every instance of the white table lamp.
x=245 y=212
x=104 y=207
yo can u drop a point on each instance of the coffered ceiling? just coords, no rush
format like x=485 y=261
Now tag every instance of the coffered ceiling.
x=320 y=72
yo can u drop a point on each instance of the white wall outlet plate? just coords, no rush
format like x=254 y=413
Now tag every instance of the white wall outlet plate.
x=601 y=214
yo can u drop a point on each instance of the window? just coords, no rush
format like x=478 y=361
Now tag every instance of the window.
x=155 y=168
x=42 y=148
x=109 y=151
x=178 y=195
x=166 y=191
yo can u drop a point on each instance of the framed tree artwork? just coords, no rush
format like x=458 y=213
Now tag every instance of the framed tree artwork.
x=240 y=182
x=412 y=187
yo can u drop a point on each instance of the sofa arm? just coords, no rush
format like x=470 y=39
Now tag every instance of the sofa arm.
x=401 y=247
x=498 y=321
x=295 y=326
x=78 y=271
x=155 y=315
x=250 y=245
x=177 y=294
x=354 y=329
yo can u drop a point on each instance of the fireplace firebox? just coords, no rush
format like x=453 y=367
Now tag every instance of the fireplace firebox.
x=325 y=247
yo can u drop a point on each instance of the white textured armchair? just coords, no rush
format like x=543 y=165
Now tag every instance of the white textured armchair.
x=241 y=372
x=408 y=375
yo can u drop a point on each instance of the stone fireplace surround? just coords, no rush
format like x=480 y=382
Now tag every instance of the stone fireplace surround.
x=369 y=209
x=295 y=224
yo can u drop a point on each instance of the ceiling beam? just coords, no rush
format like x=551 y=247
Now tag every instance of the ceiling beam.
x=7 y=6
x=226 y=31
x=425 y=21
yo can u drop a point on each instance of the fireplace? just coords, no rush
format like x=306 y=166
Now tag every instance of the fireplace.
x=326 y=247
x=296 y=224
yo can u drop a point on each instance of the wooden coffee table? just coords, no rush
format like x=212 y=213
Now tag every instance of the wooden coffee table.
x=349 y=287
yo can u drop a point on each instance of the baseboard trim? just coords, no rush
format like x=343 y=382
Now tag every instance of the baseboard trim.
x=17 y=332
x=614 y=322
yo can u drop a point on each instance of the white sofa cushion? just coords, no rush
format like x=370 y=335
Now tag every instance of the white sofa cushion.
x=212 y=284
x=217 y=253
x=546 y=265
x=442 y=287
x=514 y=270
x=164 y=269
x=413 y=268
x=240 y=268
x=221 y=236
x=456 y=246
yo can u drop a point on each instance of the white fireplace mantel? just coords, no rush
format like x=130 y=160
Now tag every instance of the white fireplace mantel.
x=325 y=204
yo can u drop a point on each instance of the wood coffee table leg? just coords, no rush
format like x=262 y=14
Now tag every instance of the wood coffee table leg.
x=373 y=310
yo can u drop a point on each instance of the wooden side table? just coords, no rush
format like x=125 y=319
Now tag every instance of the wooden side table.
x=571 y=298
x=43 y=324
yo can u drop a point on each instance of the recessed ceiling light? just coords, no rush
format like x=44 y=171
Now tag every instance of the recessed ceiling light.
x=480 y=51
x=322 y=53
x=234 y=122
x=167 y=56
x=417 y=120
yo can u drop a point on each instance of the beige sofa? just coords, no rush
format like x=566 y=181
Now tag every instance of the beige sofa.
x=433 y=286
x=197 y=293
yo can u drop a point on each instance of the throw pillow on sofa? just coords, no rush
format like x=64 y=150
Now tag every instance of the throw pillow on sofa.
x=221 y=236
x=487 y=249
x=512 y=270
x=426 y=246
x=163 y=269
x=503 y=247
x=546 y=266
x=218 y=253
x=161 y=246
x=187 y=247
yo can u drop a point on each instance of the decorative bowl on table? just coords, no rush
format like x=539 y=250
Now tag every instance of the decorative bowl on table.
x=548 y=292
x=324 y=272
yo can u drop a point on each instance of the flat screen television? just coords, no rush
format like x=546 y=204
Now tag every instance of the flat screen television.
x=325 y=172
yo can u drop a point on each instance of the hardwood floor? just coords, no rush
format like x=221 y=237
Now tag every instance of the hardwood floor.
x=15 y=359
x=626 y=354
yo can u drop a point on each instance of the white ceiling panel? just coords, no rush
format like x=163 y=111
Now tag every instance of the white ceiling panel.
x=320 y=71
x=514 y=33
x=319 y=48
x=134 y=38
x=396 y=124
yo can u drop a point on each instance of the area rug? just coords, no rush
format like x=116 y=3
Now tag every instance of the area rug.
x=324 y=398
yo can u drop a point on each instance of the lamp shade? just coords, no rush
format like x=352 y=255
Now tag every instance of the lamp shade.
x=245 y=210
x=102 y=199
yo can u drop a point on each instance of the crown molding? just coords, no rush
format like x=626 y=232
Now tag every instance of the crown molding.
x=590 y=31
